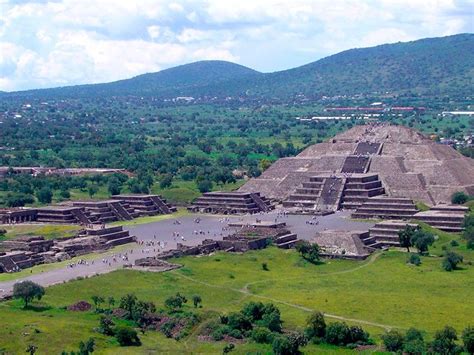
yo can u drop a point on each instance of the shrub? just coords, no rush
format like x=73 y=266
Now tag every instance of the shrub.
x=444 y=342
x=393 y=340
x=220 y=332
x=338 y=333
x=414 y=342
x=265 y=267
x=468 y=339
x=262 y=335
x=235 y=333
x=253 y=310
x=414 y=259
x=175 y=302
x=309 y=251
x=454 y=243
x=315 y=326
x=459 y=198
x=127 y=336
x=282 y=345
x=451 y=261
x=106 y=325
x=239 y=321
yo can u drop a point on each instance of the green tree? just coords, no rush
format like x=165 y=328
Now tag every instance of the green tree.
x=445 y=342
x=106 y=325
x=204 y=186
x=98 y=300
x=92 y=190
x=44 y=195
x=128 y=302
x=422 y=240
x=127 y=336
x=166 y=181
x=405 y=236
x=451 y=261
x=28 y=291
x=393 y=340
x=468 y=339
x=414 y=344
x=86 y=348
x=309 y=251
x=197 y=300
x=459 y=198
x=315 y=326
x=175 y=302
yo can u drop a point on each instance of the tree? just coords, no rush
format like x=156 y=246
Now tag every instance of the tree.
x=65 y=193
x=468 y=339
x=86 y=348
x=92 y=190
x=315 y=326
x=31 y=349
x=405 y=235
x=459 y=198
x=166 y=181
x=28 y=291
x=98 y=300
x=44 y=195
x=175 y=302
x=128 y=303
x=445 y=342
x=127 y=336
x=309 y=251
x=114 y=187
x=422 y=240
x=204 y=186
x=106 y=325
x=393 y=340
x=111 y=301
x=414 y=259
x=197 y=300
x=451 y=261
x=414 y=343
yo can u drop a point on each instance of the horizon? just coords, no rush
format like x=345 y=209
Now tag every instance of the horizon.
x=48 y=44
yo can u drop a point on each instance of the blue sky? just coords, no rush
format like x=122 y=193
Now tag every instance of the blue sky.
x=65 y=42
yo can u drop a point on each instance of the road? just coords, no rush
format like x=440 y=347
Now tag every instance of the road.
x=209 y=226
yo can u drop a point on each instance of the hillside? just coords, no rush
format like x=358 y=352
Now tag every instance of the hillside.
x=433 y=66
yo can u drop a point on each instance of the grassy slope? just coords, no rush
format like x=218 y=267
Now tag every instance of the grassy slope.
x=48 y=231
x=382 y=291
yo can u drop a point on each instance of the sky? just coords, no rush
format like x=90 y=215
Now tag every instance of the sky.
x=68 y=42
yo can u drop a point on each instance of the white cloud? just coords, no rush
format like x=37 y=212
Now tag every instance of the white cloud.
x=70 y=42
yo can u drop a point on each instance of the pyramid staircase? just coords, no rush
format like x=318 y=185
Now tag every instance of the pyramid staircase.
x=386 y=208
x=317 y=194
x=359 y=188
x=231 y=203
x=447 y=218
x=384 y=234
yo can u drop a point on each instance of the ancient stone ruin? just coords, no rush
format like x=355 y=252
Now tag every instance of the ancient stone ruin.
x=231 y=203
x=363 y=162
x=118 y=208
x=25 y=252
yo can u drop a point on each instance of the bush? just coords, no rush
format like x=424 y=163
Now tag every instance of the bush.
x=282 y=345
x=338 y=333
x=315 y=326
x=459 y=198
x=265 y=267
x=444 y=342
x=220 y=332
x=454 y=243
x=393 y=340
x=468 y=340
x=414 y=342
x=414 y=259
x=235 y=333
x=239 y=321
x=44 y=195
x=451 y=261
x=262 y=335
x=127 y=336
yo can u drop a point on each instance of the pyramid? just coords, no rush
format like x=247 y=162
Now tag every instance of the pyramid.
x=408 y=164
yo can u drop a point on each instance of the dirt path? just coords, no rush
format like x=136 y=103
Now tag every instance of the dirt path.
x=246 y=292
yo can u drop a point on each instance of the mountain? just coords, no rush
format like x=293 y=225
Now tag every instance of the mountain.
x=432 y=66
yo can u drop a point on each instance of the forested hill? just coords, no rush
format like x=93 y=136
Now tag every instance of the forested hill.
x=433 y=66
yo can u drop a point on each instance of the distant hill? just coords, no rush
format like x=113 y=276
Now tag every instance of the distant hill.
x=432 y=66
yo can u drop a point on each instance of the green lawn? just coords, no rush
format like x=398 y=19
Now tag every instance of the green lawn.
x=48 y=231
x=378 y=293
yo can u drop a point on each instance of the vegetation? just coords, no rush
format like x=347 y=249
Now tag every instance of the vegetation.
x=378 y=286
x=28 y=291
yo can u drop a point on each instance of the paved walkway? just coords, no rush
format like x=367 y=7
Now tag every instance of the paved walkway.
x=190 y=233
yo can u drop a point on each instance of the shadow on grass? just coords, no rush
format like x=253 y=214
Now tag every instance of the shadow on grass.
x=37 y=308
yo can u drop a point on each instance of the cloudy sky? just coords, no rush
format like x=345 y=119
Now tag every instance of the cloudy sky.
x=64 y=42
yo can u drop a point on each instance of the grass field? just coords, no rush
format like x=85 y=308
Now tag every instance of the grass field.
x=48 y=231
x=379 y=293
